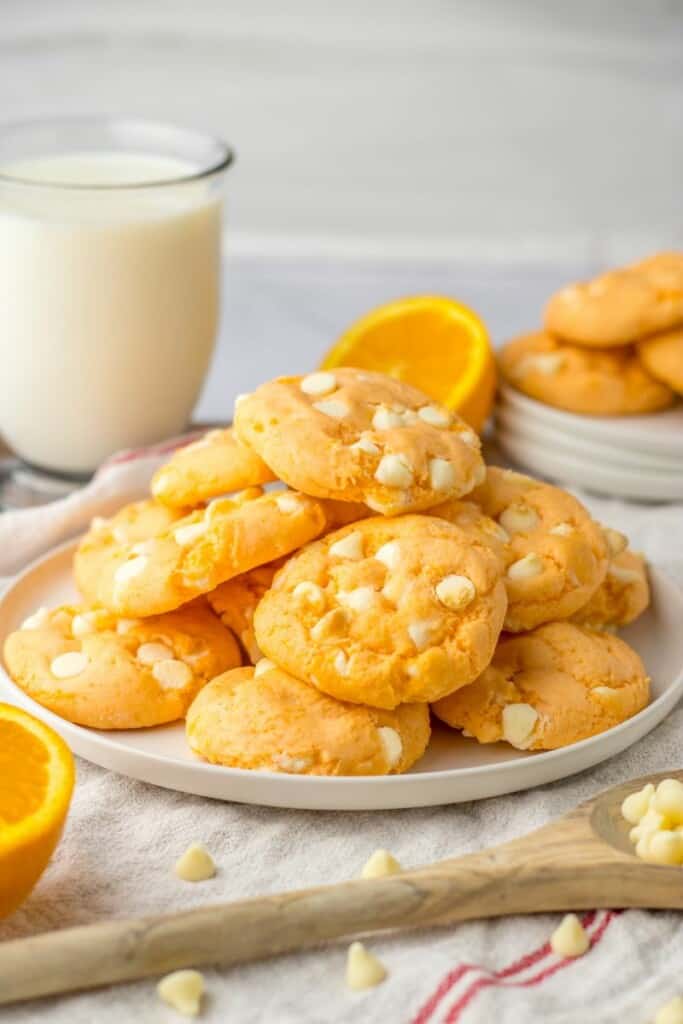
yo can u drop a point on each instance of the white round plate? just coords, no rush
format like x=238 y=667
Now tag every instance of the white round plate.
x=584 y=470
x=547 y=435
x=453 y=770
x=654 y=432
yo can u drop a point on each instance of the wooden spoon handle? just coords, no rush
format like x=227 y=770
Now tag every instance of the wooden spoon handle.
x=232 y=933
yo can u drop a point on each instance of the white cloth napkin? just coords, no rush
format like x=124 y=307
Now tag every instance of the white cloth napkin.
x=123 y=836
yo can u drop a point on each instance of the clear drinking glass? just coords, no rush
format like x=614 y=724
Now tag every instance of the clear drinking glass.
x=110 y=236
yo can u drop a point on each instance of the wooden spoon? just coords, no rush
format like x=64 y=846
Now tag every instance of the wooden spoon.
x=582 y=861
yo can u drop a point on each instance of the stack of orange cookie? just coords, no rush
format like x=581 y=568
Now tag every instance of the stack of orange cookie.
x=309 y=627
x=612 y=346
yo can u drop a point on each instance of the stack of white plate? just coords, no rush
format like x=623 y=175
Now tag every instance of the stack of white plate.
x=637 y=457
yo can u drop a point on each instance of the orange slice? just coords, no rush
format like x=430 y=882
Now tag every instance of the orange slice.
x=36 y=782
x=433 y=342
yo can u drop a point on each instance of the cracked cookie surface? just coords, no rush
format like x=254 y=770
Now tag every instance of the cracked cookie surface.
x=98 y=670
x=362 y=437
x=554 y=686
x=386 y=611
x=264 y=719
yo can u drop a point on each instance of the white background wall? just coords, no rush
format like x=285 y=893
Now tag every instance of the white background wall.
x=471 y=127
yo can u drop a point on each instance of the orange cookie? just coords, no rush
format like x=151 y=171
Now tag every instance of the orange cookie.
x=265 y=719
x=662 y=356
x=207 y=547
x=385 y=611
x=235 y=602
x=599 y=382
x=132 y=524
x=556 y=556
x=215 y=465
x=620 y=306
x=362 y=437
x=623 y=595
x=107 y=673
x=549 y=688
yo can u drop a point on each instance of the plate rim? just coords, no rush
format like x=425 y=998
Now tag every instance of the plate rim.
x=389 y=783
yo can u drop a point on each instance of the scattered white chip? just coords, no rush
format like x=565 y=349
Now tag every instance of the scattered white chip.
x=129 y=570
x=569 y=939
x=182 y=990
x=195 y=865
x=310 y=593
x=441 y=475
x=363 y=970
x=364 y=444
x=562 y=530
x=37 y=620
x=519 y=518
x=341 y=663
x=150 y=653
x=380 y=865
x=386 y=419
x=394 y=471
x=288 y=503
x=434 y=415
x=455 y=592
x=389 y=554
x=636 y=805
x=359 y=600
x=263 y=666
x=420 y=632
x=188 y=534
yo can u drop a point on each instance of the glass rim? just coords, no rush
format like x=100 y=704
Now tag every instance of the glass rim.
x=225 y=158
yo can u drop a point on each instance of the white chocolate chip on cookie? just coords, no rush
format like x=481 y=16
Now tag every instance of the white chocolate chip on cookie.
x=519 y=721
x=455 y=592
x=319 y=383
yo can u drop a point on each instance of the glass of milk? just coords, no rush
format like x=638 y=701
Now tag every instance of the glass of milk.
x=110 y=234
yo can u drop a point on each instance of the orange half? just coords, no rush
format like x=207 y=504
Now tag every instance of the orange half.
x=36 y=783
x=435 y=343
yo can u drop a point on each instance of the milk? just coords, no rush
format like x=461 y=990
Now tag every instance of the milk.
x=109 y=300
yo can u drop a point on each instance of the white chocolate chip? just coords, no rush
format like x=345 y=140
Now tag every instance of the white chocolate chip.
x=318 y=383
x=666 y=847
x=525 y=568
x=479 y=474
x=455 y=592
x=562 y=530
x=389 y=554
x=195 y=865
x=288 y=503
x=310 y=593
x=364 y=444
x=420 y=632
x=341 y=663
x=172 y=674
x=124 y=626
x=519 y=518
x=359 y=600
x=380 y=865
x=129 y=570
x=434 y=415
x=296 y=765
x=386 y=419
x=69 y=664
x=349 y=546
x=392 y=745
x=606 y=693
x=671 y=1012
x=150 y=653
x=37 y=620
x=616 y=541
x=363 y=970
x=569 y=939
x=83 y=623
x=519 y=721
x=120 y=534
x=241 y=398
x=182 y=990
x=97 y=522
x=441 y=475
x=188 y=534
x=623 y=575
x=394 y=471
x=546 y=363
x=263 y=666
x=668 y=800
x=333 y=408
x=469 y=438
x=333 y=623
x=636 y=805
